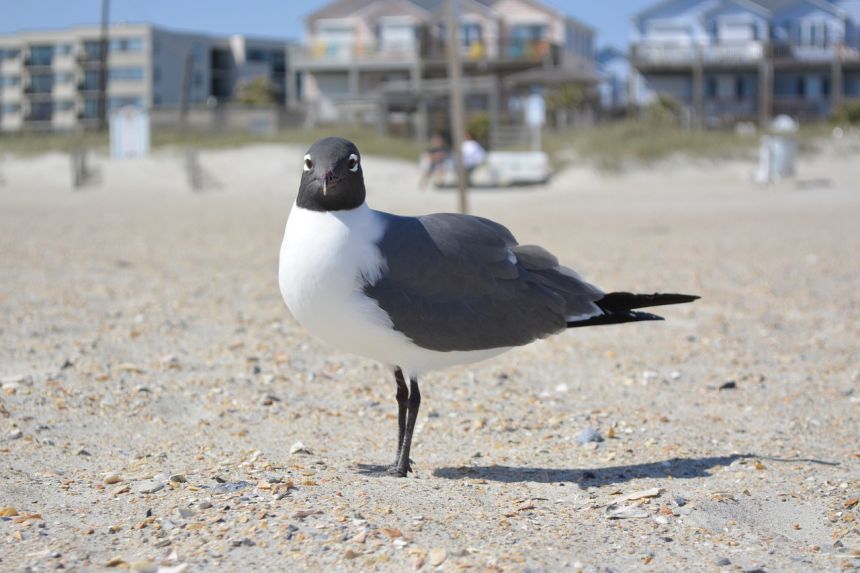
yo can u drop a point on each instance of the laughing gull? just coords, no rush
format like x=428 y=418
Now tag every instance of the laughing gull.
x=423 y=293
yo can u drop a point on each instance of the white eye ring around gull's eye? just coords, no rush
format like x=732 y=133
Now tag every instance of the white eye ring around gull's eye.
x=353 y=162
x=308 y=164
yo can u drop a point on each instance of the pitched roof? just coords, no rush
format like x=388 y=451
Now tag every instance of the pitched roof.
x=778 y=5
x=429 y=5
x=772 y=6
x=344 y=8
x=339 y=9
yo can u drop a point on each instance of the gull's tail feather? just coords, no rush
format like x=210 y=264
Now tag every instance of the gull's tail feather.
x=618 y=307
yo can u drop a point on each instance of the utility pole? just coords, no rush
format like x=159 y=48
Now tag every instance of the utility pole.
x=455 y=96
x=185 y=101
x=103 y=69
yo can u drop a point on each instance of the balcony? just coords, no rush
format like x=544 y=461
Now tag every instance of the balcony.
x=501 y=52
x=41 y=115
x=10 y=65
x=340 y=54
x=39 y=90
x=88 y=58
x=684 y=55
x=38 y=62
x=784 y=51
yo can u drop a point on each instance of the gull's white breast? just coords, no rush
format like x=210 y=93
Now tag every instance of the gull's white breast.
x=326 y=260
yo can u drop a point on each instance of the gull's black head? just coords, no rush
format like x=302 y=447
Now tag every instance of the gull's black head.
x=331 y=176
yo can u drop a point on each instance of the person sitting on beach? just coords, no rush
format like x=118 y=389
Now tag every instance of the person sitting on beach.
x=434 y=161
x=473 y=154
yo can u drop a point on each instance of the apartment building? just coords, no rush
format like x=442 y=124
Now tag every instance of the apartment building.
x=730 y=60
x=368 y=59
x=49 y=80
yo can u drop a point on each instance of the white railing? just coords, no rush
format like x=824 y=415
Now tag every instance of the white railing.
x=730 y=53
x=667 y=53
x=334 y=52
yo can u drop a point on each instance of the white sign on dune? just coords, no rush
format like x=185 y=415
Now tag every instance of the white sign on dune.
x=129 y=133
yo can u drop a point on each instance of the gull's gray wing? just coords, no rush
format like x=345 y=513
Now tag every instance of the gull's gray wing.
x=456 y=282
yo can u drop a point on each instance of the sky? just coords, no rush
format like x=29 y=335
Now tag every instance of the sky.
x=277 y=18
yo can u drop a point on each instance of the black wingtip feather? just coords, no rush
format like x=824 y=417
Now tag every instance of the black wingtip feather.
x=618 y=307
x=615 y=318
x=616 y=301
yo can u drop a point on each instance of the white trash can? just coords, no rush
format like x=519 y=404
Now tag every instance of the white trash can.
x=778 y=151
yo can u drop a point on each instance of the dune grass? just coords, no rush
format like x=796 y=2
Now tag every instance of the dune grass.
x=608 y=146
x=26 y=143
x=612 y=146
x=372 y=143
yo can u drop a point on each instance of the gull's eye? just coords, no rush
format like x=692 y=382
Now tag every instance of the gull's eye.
x=353 y=162
x=309 y=163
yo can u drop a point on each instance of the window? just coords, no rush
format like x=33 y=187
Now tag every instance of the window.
x=335 y=39
x=796 y=33
x=63 y=77
x=256 y=55
x=526 y=40
x=91 y=108
x=156 y=74
x=91 y=80
x=528 y=32
x=9 y=81
x=740 y=88
x=711 y=89
x=93 y=49
x=470 y=34
x=64 y=105
x=125 y=74
x=11 y=108
x=41 y=84
x=9 y=53
x=825 y=86
x=800 y=86
x=41 y=111
x=63 y=49
x=41 y=56
x=126 y=45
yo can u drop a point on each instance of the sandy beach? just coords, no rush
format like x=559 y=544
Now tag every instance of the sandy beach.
x=154 y=383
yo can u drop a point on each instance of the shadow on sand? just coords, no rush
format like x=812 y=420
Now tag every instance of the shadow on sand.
x=677 y=468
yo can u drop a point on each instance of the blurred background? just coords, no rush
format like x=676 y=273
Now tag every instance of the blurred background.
x=598 y=81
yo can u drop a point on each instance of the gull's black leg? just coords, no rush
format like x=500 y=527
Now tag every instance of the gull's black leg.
x=402 y=405
x=403 y=465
